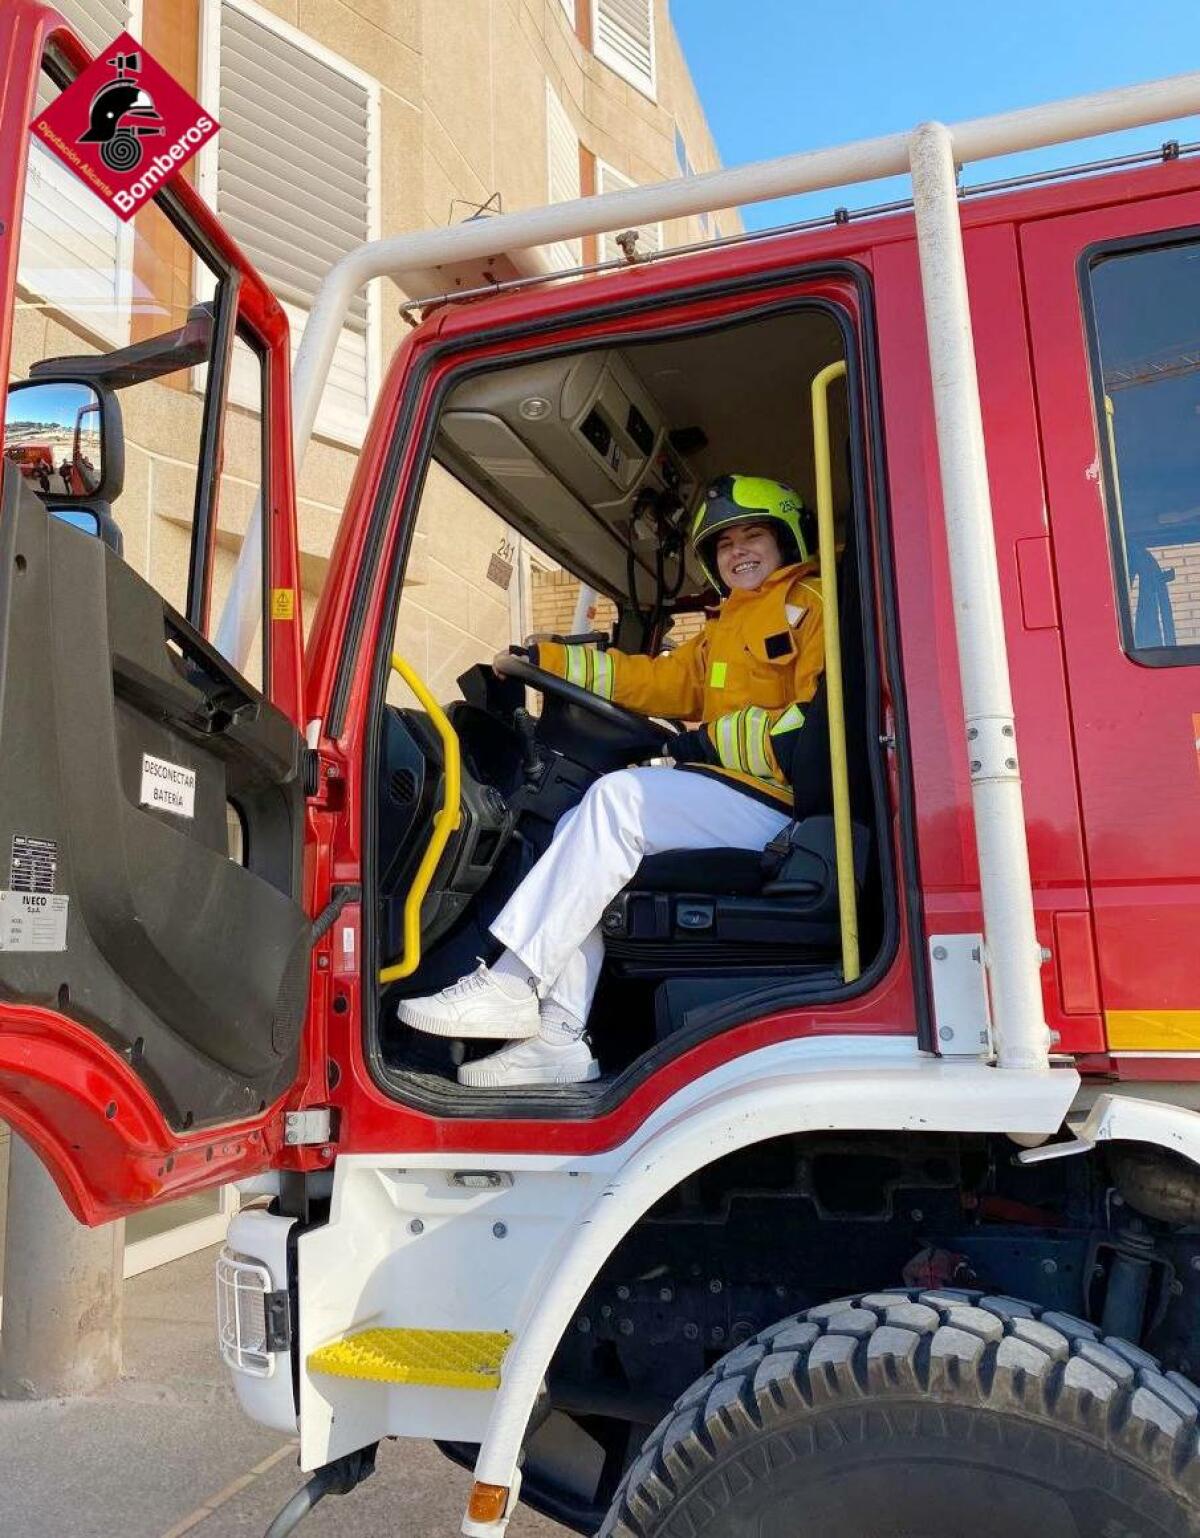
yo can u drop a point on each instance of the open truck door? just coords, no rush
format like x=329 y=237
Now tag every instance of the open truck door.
x=154 y=947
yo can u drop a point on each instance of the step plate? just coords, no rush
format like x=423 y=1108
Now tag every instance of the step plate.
x=431 y=1358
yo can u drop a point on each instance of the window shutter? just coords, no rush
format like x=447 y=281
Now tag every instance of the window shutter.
x=98 y=21
x=562 y=158
x=623 y=38
x=650 y=236
x=71 y=245
x=295 y=186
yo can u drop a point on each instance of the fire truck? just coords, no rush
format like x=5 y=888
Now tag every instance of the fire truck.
x=884 y=1214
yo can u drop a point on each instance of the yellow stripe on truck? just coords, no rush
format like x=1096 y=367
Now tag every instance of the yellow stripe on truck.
x=1153 y=1030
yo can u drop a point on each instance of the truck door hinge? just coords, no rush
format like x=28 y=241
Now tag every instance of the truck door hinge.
x=301 y=1128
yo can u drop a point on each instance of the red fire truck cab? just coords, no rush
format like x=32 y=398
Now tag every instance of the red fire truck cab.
x=886 y=1199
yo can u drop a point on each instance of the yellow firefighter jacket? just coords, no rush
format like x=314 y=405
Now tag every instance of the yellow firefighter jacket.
x=747 y=676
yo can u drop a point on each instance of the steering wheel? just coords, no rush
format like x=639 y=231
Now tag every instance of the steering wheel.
x=643 y=733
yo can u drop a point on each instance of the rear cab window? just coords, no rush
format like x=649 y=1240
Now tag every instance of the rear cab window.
x=1143 y=304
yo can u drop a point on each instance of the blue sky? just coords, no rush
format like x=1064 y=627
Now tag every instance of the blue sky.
x=786 y=75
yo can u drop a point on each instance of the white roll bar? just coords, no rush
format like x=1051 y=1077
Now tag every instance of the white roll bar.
x=929 y=154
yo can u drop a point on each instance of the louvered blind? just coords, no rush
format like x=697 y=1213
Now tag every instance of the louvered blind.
x=562 y=155
x=71 y=245
x=650 y=236
x=623 y=38
x=295 y=186
x=98 y=21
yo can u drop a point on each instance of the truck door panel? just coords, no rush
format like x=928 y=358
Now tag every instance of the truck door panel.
x=194 y=963
x=154 y=945
x=1113 y=299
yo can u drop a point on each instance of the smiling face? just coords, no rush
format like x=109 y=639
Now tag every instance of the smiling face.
x=747 y=554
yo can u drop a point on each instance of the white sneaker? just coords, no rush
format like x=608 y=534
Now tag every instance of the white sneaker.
x=532 y=1062
x=476 y=1005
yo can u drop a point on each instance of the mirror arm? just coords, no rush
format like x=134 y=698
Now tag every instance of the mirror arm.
x=185 y=347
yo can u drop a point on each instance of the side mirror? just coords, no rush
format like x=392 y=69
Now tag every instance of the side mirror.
x=66 y=438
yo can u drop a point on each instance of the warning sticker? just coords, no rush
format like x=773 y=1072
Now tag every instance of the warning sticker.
x=34 y=866
x=31 y=921
x=168 y=787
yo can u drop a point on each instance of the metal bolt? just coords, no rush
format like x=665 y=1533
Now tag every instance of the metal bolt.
x=1050 y=1267
x=1176 y=1288
x=780 y=1290
x=1010 y=763
x=1006 y=731
x=606 y=1310
x=666 y=1294
x=718 y=1333
x=583 y=1324
x=500 y=1230
x=917 y=1215
x=972 y=733
x=691 y=1331
x=715 y=1285
x=976 y=765
x=946 y=1032
x=327 y=1152
x=940 y=953
x=416 y=1226
x=623 y=1292
x=626 y=1326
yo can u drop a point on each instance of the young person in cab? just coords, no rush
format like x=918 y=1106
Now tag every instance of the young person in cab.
x=747 y=678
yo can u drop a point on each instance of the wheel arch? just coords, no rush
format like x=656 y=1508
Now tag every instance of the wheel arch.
x=830 y=1084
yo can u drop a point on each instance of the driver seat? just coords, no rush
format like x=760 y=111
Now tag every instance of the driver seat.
x=732 y=907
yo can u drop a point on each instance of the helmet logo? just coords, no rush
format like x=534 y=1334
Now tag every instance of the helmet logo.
x=122 y=115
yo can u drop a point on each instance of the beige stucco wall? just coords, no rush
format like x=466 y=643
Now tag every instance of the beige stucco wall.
x=462 y=117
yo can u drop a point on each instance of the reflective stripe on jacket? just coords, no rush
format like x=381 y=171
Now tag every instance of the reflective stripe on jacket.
x=748 y=676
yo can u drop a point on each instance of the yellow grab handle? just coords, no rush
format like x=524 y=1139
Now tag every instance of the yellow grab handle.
x=834 y=696
x=445 y=820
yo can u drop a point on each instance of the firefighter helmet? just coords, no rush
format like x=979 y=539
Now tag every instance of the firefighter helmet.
x=732 y=499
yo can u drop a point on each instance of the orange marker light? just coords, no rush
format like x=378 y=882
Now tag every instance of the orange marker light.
x=487 y=1502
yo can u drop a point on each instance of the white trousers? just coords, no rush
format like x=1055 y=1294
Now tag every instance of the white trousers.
x=551 y=922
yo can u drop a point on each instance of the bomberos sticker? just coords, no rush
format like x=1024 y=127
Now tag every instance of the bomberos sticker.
x=168 y=787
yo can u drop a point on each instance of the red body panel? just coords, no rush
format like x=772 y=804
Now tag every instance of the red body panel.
x=1135 y=732
x=1067 y=669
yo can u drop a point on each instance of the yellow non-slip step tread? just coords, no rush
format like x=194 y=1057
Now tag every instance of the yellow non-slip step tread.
x=432 y=1358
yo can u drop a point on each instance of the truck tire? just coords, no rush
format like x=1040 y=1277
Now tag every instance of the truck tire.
x=922 y=1415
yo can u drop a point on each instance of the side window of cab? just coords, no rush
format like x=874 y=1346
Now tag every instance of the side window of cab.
x=1143 y=302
